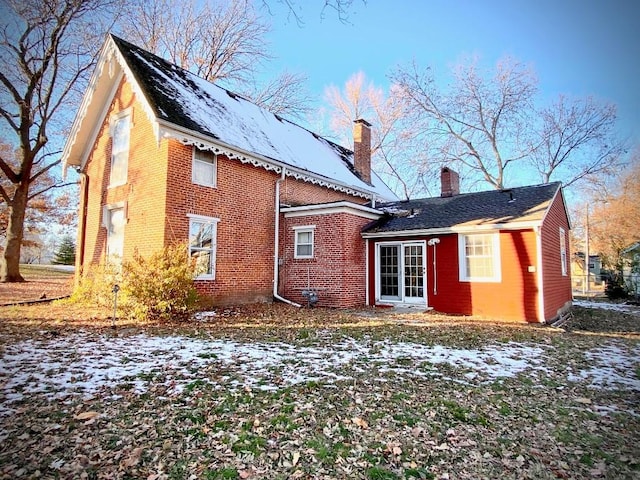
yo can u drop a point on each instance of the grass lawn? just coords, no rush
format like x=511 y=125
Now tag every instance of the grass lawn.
x=279 y=393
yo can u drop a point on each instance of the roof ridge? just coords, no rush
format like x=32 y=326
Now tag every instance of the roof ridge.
x=232 y=93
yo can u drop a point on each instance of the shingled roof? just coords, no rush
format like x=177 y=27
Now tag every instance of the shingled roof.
x=183 y=100
x=470 y=210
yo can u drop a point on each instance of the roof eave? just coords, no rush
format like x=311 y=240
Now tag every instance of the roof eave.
x=454 y=229
x=190 y=137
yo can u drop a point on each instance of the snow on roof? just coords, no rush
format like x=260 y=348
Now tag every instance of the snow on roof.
x=185 y=100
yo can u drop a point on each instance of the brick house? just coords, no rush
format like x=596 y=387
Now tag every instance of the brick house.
x=270 y=209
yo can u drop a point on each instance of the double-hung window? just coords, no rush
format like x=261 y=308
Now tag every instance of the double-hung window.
x=563 y=252
x=303 y=241
x=204 y=168
x=202 y=245
x=114 y=218
x=120 y=132
x=479 y=256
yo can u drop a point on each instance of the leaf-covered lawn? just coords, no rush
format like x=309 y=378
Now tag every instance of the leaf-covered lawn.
x=276 y=393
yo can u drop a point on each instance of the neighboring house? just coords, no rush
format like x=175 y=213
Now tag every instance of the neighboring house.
x=631 y=268
x=272 y=210
x=578 y=271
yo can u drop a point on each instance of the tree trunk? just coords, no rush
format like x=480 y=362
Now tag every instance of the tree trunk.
x=10 y=267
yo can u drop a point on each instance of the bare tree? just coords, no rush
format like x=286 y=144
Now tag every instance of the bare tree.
x=615 y=217
x=577 y=140
x=398 y=154
x=339 y=7
x=48 y=47
x=218 y=41
x=480 y=121
x=489 y=122
x=285 y=95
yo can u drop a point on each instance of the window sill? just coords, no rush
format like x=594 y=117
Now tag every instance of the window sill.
x=205 y=277
x=208 y=185
x=481 y=280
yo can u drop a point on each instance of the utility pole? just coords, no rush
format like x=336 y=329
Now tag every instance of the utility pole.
x=586 y=252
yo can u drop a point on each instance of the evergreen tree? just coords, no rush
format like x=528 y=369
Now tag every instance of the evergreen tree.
x=66 y=254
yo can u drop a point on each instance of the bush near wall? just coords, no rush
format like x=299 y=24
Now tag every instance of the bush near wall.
x=156 y=287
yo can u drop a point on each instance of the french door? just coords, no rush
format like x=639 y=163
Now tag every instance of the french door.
x=401 y=273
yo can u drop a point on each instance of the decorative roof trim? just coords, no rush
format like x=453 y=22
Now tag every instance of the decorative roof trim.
x=168 y=130
x=455 y=229
x=332 y=208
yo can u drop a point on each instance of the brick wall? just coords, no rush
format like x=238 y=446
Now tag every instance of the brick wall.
x=337 y=268
x=244 y=201
x=159 y=195
x=144 y=192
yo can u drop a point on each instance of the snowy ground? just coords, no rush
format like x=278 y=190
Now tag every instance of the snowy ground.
x=88 y=364
x=617 y=307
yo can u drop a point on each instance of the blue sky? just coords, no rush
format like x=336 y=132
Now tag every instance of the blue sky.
x=589 y=47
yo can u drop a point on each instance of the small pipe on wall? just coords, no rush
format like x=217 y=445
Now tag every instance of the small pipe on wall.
x=433 y=242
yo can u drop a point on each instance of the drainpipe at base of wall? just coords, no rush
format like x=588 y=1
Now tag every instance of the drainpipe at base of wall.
x=276 y=247
x=82 y=225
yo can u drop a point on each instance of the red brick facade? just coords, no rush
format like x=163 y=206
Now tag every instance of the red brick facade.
x=159 y=196
x=337 y=270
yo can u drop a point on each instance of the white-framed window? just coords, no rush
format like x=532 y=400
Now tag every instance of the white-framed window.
x=202 y=245
x=114 y=219
x=563 y=251
x=479 y=255
x=203 y=171
x=303 y=241
x=120 y=130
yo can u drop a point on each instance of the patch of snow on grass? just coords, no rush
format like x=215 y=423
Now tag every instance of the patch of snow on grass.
x=618 y=307
x=83 y=364
x=611 y=367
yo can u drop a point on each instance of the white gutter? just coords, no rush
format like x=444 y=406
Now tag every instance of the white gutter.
x=366 y=272
x=276 y=246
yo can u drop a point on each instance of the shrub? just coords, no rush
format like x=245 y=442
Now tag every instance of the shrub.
x=155 y=287
x=95 y=286
x=160 y=286
x=615 y=288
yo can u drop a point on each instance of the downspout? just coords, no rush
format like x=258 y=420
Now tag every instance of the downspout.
x=276 y=247
x=366 y=272
x=84 y=189
x=538 y=231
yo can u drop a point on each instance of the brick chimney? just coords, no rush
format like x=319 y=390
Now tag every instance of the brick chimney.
x=450 y=182
x=362 y=149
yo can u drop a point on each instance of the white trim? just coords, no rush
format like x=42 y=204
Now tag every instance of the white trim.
x=564 y=206
x=127 y=114
x=97 y=127
x=564 y=268
x=303 y=229
x=214 y=243
x=467 y=229
x=332 y=208
x=203 y=218
x=402 y=299
x=463 y=275
x=113 y=206
x=214 y=165
x=187 y=137
x=538 y=232
x=366 y=272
